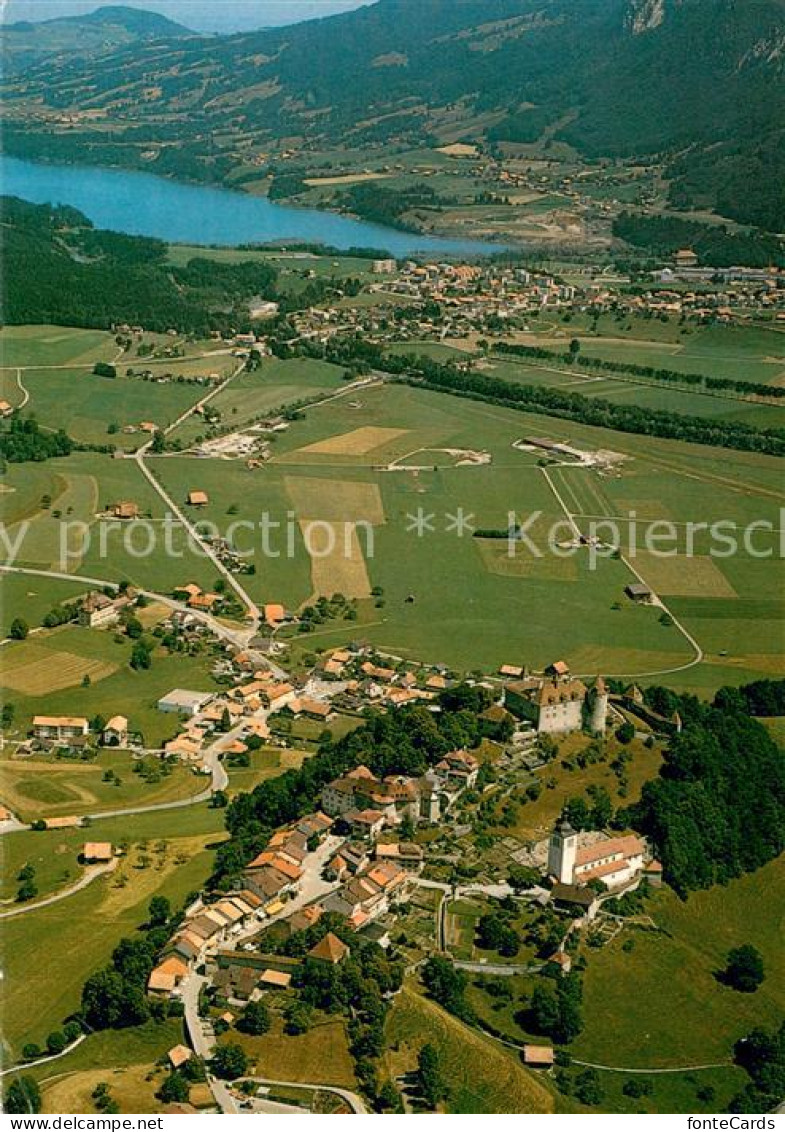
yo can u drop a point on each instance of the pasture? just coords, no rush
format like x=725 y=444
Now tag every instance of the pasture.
x=471 y=603
x=34 y=788
x=264 y=392
x=115 y=688
x=122 y=1058
x=661 y=1005
x=482 y=1076
x=77 y=935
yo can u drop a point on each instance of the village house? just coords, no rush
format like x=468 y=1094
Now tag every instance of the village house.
x=115 y=733
x=60 y=727
x=167 y=976
x=330 y=950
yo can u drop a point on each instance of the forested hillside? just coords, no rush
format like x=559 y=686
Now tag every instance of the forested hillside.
x=59 y=269
x=700 y=81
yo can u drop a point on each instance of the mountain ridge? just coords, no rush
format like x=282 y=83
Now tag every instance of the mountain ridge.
x=684 y=78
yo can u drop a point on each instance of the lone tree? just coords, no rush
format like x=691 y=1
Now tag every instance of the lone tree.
x=744 y=969
x=255 y=1019
x=230 y=1062
x=175 y=1089
x=160 y=911
x=429 y=1075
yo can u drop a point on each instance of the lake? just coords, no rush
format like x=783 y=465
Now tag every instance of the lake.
x=142 y=204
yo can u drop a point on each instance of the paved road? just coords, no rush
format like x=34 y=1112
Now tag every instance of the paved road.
x=352 y=1099
x=42 y=1060
x=87 y=877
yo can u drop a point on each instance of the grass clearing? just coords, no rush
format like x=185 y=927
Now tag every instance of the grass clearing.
x=660 y=1005
x=483 y=1077
x=320 y=1056
x=358 y=442
x=82 y=931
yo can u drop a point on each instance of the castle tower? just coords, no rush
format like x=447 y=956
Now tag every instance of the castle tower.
x=562 y=850
x=598 y=707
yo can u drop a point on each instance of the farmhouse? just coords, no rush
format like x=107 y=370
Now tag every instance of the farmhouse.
x=198 y=498
x=178 y=1056
x=638 y=592
x=126 y=509
x=538 y=1057
x=115 y=734
x=98 y=609
x=6 y=409
x=71 y=822
x=59 y=727
x=94 y=852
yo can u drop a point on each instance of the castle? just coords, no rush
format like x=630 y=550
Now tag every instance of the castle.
x=558 y=703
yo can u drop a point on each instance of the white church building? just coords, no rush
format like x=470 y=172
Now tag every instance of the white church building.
x=615 y=861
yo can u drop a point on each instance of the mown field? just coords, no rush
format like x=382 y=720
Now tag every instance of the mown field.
x=320 y=1056
x=51 y=787
x=45 y=675
x=661 y=1005
x=55 y=949
x=482 y=1076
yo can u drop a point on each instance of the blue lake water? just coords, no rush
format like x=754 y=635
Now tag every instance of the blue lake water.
x=142 y=204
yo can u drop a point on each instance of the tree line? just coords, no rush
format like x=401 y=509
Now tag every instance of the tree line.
x=749 y=388
x=594 y=411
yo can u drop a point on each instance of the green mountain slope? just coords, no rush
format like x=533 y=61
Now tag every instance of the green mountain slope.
x=698 y=80
x=24 y=44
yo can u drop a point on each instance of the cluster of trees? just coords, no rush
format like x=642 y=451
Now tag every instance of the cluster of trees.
x=652 y=373
x=430 y=1076
x=595 y=411
x=717 y=809
x=762 y=1054
x=446 y=984
x=555 y=1008
x=764 y=698
x=115 y=997
x=22 y=441
x=715 y=244
x=407 y=741
x=744 y=970
x=495 y=932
